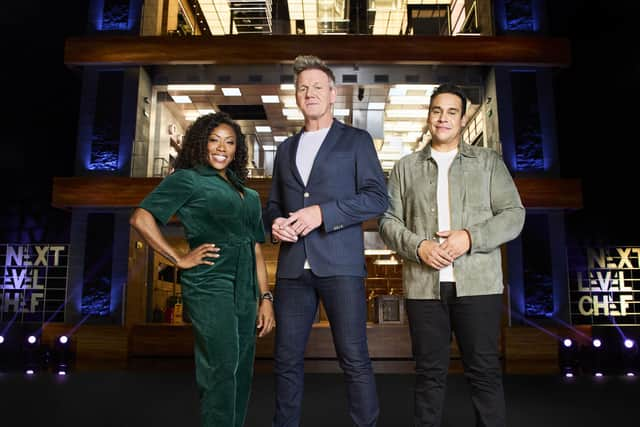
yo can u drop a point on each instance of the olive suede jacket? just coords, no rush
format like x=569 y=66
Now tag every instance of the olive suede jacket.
x=483 y=200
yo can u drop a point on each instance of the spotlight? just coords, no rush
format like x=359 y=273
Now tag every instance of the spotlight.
x=4 y=362
x=594 y=357
x=630 y=360
x=568 y=358
x=32 y=355
x=62 y=355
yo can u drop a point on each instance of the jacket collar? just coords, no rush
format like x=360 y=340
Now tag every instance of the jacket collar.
x=207 y=170
x=335 y=125
x=463 y=149
x=329 y=141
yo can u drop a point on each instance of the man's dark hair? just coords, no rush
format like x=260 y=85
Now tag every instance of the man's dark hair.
x=454 y=90
x=309 y=62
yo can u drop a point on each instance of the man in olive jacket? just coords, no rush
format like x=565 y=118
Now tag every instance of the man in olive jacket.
x=452 y=206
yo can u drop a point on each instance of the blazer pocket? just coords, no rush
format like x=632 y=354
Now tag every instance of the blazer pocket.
x=341 y=155
x=341 y=162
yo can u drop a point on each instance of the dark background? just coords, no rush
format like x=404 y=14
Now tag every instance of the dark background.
x=595 y=109
x=41 y=113
x=597 y=117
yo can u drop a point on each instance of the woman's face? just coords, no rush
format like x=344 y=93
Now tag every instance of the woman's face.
x=221 y=147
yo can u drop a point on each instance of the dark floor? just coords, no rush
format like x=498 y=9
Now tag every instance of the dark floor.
x=157 y=398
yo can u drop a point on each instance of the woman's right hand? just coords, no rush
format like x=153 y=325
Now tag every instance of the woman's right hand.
x=198 y=256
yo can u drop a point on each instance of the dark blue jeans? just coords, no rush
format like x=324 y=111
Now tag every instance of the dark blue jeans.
x=296 y=302
x=475 y=321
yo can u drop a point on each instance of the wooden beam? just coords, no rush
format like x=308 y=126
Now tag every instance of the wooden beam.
x=550 y=193
x=337 y=49
x=103 y=191
x=121 y=192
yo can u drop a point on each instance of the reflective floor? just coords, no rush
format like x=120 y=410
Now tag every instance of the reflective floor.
x=166 y=396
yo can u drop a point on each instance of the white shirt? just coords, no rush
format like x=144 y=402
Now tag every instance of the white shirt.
x=444 y=160
x=308 y=147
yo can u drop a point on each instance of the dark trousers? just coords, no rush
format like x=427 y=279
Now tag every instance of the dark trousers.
x=475 y=321
x=296 y=302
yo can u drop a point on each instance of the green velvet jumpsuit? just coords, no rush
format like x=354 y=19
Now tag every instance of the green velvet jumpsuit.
x=222 y=298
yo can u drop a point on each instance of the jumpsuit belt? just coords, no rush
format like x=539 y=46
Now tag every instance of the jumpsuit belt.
x=239 y=241
x=245 y=263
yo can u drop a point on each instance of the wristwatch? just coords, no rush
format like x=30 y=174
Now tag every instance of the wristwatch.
x=267 y=295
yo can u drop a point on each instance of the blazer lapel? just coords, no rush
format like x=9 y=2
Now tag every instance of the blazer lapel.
x=292 y=158
x=333 y=136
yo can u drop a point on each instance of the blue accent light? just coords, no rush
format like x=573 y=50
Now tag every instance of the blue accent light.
x=518 y=16
x=116 y=15
x=97 y=302
x=529 y=156
x=539 y=299
x=103 y=157
x=98 y=156
x=520 y=24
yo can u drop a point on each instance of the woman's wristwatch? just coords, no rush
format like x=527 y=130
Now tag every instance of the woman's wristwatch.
x=267 y=295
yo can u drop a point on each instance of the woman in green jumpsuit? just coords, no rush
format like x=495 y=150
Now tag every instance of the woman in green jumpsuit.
x=224 y=278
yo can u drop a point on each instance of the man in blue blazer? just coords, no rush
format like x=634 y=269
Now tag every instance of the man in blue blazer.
x=327 y=180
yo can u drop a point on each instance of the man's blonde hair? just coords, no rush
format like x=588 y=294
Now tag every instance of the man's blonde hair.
x=310 y=62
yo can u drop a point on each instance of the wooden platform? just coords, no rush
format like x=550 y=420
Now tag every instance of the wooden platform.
x=94 y=342
x=524 y=350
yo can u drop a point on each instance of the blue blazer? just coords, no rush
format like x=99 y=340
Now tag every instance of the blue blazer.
x=348 y=184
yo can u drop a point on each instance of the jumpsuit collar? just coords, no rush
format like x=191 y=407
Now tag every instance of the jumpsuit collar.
x=207 y=170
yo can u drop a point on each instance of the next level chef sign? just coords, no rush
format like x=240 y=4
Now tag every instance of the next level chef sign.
x=604 y=285
x=34 y=283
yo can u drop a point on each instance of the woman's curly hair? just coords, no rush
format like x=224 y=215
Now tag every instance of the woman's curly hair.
x=194 y=147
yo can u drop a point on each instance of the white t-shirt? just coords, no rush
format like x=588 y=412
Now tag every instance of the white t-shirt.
x=444 y=160
x=308 y=147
